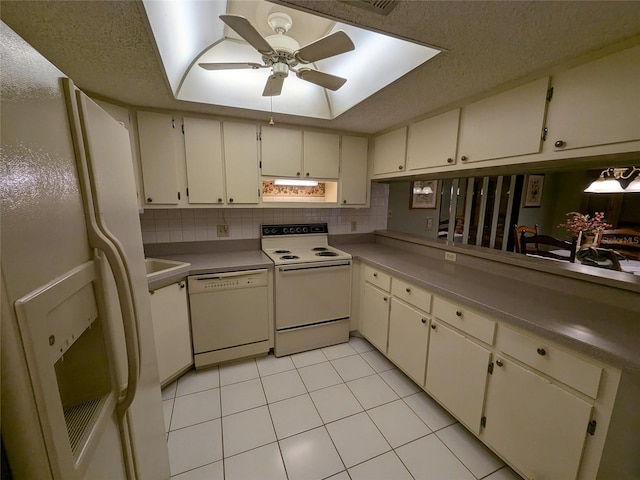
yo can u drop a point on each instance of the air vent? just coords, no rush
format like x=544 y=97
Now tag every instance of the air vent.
x=382 y=7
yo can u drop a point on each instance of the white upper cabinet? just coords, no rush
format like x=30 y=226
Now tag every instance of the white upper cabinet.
x=158 y=143
x=389 y=152
x=321 y=155
x=504 y=125
x=353 y=170
x=203 y=150
x=432 y=142
x=597 y=103
x=281 y=150
x=241 y=163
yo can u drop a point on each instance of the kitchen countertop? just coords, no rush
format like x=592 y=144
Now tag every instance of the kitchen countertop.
x=228 y=261
x=602 y=330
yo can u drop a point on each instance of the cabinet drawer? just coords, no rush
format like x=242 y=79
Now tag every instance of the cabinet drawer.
x=377 y=278
x=465 y=320
x=563 y=366
x=411 y=294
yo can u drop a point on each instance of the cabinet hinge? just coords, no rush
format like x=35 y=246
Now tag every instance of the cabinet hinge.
x=259 y=193
x=178 y=195
x=549 y=94
x=258 y=136
x=187 y=191
x=490 y=369
x=545 y=130
x=173 y=123
x=483 y=422
x=591 y=428
x=260 y=164
x=183 y=128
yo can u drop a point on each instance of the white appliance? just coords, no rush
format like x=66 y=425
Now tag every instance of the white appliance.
x=229 y=315
x=312 y=287
x=80 y=391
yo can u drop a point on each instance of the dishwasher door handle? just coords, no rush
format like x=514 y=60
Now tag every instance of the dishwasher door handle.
x=201 y=278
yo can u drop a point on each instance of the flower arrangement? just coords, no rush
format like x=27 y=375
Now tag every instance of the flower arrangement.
x=578 y=222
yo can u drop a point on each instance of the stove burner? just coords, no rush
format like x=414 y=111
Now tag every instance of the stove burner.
x=289 y=257
x=319 y=249
x=280 y=252
x=326 y=254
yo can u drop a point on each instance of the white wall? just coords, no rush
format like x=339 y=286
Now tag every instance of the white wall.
x=191 y=224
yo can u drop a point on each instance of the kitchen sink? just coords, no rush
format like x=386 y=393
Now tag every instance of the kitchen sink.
x=157 y=267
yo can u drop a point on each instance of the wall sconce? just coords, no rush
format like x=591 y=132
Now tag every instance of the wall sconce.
x=616 y=180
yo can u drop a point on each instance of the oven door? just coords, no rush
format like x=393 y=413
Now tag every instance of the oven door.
x=311 y=293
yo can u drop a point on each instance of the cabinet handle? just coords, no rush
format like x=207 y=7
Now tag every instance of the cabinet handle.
x=307 y=174
x=400 y=167
x=560 y=144
x=408 y=290
x=149 y=200
x=344 y=201
x=463 y=158
x=298 y=174
x=375 y=274
x=181 y=284
x=433 y=326
x=458 y=313
x=152 y=292
x=541 y=351
x=231 y=200
x=219 y=200
x=449 y=160
x=499 y=363
x=424 y=320
x=385 y=298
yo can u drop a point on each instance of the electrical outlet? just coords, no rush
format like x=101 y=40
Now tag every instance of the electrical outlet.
x=450 y=256
x=223 y=230
x=354 y=226
x=429 y=223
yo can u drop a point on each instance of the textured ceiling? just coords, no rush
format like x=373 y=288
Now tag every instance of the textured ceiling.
x=107 y=48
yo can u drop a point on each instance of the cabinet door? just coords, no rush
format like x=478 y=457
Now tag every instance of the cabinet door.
x=538 y=426
x=156 y=134
x=203 y=150
x=375 y=316
x=408 y=335
x=597 y=103
x=353 y=171
x=171 y=330
x=457 y=370
x=241 y=162
x=432 y=142
x=389 y=152
x=321 y=155
x=504 y=125
x=281 y=152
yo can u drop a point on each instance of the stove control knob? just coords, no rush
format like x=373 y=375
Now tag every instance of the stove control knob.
x=298 y=230
x=305 y=230
x=285 y=230
x=265 y=231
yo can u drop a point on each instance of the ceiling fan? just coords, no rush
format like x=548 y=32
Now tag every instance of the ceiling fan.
x=282 y=53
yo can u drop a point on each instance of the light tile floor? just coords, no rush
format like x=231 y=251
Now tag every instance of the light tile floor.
x=337 y=413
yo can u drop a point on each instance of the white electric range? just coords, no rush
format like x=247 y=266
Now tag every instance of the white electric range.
x=312 y=285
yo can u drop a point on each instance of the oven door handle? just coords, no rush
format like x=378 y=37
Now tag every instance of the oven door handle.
x=313 y=267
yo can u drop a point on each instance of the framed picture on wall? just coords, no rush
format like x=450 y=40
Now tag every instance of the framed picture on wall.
x=424 y=194
x=533 y=185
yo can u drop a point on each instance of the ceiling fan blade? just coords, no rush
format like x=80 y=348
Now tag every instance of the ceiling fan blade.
x=231 y=66
x=334 y=44
x=273 y=87
x=243 y=27
x=326 y=80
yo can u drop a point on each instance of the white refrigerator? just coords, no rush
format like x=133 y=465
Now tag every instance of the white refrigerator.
x=80 y=392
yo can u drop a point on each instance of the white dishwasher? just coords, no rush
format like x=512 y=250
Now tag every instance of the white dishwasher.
x=229 y=315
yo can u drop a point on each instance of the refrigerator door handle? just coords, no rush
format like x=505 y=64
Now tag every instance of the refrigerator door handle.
x=102 y=239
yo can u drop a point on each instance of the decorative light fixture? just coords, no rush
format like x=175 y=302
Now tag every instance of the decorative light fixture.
x=616 y=180
x=294 y=182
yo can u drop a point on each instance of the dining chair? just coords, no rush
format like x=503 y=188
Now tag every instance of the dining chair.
x=519 y=229
x=552 y=243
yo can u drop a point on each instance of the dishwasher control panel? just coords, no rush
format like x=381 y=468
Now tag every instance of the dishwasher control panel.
x=226 y=281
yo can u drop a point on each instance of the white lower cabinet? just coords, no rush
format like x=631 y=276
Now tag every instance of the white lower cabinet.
x=171 y=330
x=375 y=316
x=408 y=336
x=537 y=426
x=457 y=370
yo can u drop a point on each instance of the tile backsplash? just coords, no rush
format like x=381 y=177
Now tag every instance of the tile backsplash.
x=196 y=224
